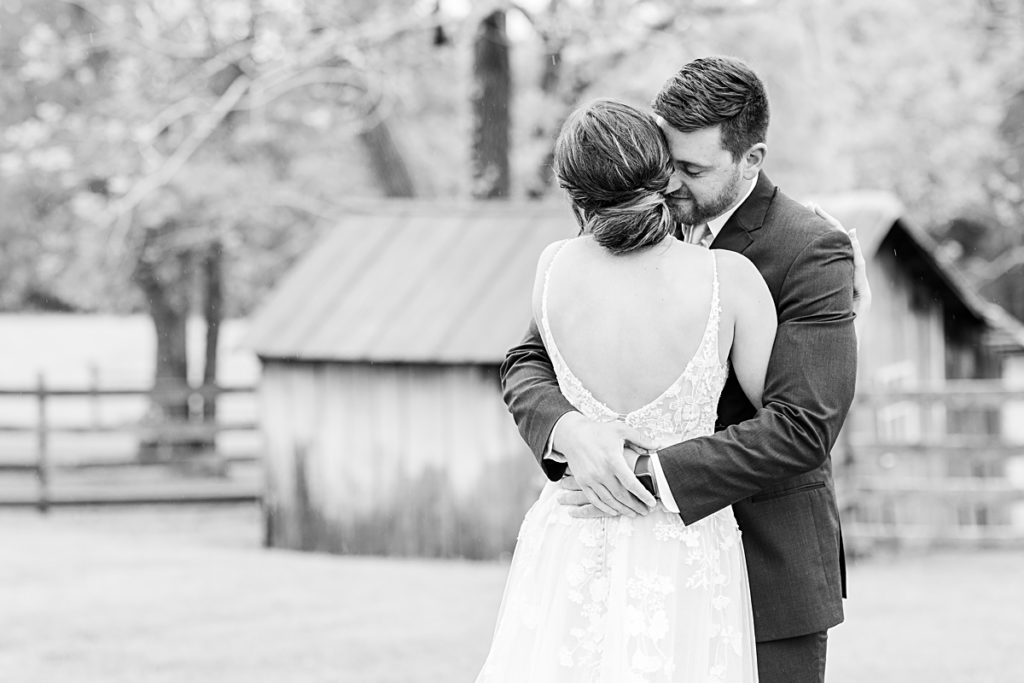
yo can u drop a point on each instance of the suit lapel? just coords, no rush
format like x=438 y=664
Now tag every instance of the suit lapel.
x=738 y=233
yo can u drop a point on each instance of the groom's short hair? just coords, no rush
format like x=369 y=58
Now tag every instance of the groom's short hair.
x=713 y=91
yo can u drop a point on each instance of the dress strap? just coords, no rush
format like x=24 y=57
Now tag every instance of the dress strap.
x=714 y=279
x=715 y=315
x=545 y=325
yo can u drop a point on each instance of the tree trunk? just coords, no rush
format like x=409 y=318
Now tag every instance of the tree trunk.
x=492 y=94
x=163 y=280
x=213 y=312
x=547 y=130
x=387 y=161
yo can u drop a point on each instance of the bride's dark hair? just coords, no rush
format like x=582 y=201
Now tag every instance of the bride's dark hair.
x=614 y=163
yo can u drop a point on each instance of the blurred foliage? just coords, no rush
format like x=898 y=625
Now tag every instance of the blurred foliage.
x=237 y=118
x=251 y=120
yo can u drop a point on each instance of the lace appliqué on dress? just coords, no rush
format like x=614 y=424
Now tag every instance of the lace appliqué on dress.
x=686 y=409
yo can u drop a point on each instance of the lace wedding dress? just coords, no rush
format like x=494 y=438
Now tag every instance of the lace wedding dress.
x=629 y=600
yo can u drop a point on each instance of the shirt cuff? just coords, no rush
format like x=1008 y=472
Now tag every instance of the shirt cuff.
x=664 y=492
x=549 y=453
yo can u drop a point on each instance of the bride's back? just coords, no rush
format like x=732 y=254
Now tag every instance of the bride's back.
x=627 y=305
x=627 y=324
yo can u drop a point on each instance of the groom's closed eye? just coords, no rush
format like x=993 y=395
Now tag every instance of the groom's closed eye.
x=691 y=170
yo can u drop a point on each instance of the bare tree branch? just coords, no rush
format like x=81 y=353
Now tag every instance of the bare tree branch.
x=152 y=44
x=996 y=268
x=176 y=161
x=262 y=93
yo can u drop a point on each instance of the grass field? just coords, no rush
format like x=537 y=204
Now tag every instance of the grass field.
x=186 y=594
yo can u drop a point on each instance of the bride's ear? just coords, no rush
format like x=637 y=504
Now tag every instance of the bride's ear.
x=753 y=160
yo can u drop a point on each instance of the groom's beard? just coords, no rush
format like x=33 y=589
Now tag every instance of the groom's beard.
x=689 y=210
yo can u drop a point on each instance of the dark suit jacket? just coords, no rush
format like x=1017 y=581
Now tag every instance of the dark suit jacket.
x=773 y=465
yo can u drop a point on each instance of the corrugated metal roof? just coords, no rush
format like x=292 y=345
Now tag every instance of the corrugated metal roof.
x=877 y=213
x=404 y=281
x=413 y=282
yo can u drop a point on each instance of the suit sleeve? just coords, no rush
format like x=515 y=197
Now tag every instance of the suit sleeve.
x=531 y=392
x=808 y=391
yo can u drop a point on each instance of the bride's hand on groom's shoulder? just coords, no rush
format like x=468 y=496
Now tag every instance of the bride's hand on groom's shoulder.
x=602 y=482
x=861 y=286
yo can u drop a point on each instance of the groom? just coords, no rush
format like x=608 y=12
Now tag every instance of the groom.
x=772 y=465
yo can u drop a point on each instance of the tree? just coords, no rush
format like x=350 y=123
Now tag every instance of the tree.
x=492 y=100
x=601 y=49
x=177 y=139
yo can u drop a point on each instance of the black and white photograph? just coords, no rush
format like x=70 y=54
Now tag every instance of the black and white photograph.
x=537 y=341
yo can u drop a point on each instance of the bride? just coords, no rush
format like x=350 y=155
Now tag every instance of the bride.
x=641 y=328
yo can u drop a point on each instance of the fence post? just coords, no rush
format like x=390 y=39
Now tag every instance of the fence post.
x=94 y=394
x=42 y=446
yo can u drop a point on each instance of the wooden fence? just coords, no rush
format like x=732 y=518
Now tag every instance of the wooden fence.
x=924 y=467
x=933 y=466
x=202 y=474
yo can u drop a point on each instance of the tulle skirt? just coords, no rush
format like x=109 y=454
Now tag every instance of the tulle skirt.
x=624 y=600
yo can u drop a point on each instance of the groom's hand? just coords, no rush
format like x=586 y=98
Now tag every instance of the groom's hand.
x=594 y=453
x=577 y=502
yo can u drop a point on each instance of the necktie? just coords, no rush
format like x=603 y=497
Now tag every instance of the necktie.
x=699 y=234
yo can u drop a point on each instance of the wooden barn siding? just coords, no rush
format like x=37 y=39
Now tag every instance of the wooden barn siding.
x=905 y=330
x=397 y=460
x=905 y=345
x=910 y=325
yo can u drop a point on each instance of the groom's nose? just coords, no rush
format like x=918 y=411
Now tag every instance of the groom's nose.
x=675 y=182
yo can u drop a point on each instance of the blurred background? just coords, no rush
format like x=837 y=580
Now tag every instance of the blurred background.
x=260 y=260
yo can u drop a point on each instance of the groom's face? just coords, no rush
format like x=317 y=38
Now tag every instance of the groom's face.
x=710 y=179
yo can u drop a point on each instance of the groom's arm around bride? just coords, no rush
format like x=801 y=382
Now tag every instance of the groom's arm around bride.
x=772 y=464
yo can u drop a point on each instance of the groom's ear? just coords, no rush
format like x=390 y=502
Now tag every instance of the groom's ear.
x=753 y=160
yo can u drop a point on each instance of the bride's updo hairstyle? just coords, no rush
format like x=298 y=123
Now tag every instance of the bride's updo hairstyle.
x=614 y=163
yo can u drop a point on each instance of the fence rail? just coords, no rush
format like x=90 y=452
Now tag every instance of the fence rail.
x=934 y=465
x=929 y=485
x=54 y=489
x=978 y=392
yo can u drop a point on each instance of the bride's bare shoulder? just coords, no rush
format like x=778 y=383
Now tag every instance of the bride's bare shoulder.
x=544 y=262
x=548 y=254
x=736 y=269
x=743 y=289
x=549 y=251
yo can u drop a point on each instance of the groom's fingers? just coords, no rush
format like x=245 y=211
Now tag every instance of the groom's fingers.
x=573 y=498
x=631 y=487
x=627 y=490
x=616 y=501
x=568 y=482
x=595 y=455
x=587 y=511
x=598 y=496
x=635 y=438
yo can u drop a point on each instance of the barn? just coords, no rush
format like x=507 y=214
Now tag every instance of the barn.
x=926 y=324
x=380 y=404
x=925 y=458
